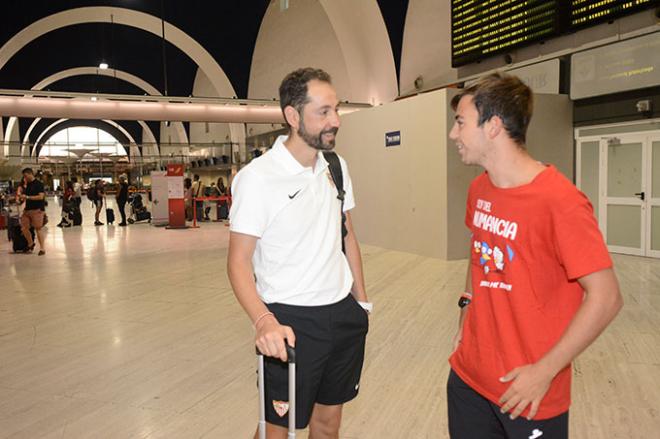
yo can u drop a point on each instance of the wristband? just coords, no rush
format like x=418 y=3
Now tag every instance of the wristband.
x=367 y=306
x=261 y=317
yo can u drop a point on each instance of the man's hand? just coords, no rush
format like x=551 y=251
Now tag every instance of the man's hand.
x=270 y=338
x=529 y=384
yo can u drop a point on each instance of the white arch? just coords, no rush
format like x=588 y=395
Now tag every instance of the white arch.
x=362 y=35
x=347 y=38
x=24 y=145
x=77 y=71
x=130 y=138
x=128 y=17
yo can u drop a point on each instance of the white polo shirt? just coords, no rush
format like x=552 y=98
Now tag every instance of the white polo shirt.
x=295 y=213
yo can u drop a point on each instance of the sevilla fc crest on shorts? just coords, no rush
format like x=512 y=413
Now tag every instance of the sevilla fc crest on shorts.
x=281 y=407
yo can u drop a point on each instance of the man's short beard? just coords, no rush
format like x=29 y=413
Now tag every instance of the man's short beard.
x=316 y=142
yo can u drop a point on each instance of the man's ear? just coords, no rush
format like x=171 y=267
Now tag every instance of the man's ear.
x=494 y=127
x=292 y=117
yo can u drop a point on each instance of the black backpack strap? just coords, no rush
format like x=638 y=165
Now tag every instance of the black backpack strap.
x=334 y=165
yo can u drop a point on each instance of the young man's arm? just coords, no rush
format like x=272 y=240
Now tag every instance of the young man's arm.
x=270 y=334
x=530 y=383
x=461 y=318
x=354 y=258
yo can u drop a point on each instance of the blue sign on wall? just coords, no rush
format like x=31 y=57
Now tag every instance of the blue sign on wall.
x=393 y=138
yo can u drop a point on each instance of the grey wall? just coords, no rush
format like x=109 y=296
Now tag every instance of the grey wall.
x=550 y=133
x=412 y=197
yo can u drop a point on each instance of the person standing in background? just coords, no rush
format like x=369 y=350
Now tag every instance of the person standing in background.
x=122 y=198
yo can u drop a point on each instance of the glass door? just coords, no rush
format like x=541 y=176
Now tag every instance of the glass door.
x=653 y=215
x=624 y=197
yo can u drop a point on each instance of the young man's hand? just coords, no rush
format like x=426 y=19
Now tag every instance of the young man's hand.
x=270 y=338
x=529 y=384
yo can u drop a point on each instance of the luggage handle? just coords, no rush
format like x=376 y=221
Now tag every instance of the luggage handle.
x=291 y=359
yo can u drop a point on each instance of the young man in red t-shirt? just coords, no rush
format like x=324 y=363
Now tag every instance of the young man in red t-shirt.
x=540 y=284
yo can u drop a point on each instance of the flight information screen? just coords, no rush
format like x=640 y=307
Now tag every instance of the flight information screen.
x=481 y=28
x=589 y=12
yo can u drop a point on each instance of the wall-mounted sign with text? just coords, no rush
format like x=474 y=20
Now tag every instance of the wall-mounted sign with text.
x=393 y=138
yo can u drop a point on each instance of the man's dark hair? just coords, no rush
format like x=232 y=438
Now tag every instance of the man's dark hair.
x=27 y=171
x=74 y=179
x=293 y=89
x=505 y=96
x=196 y=177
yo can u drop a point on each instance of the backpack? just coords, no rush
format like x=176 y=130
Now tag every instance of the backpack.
x=91 y=193
x=334 y=165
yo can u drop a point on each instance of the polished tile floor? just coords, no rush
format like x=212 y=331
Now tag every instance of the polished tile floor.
x=134 y=333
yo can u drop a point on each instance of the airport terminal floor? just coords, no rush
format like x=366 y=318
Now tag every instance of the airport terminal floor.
x=135 y=333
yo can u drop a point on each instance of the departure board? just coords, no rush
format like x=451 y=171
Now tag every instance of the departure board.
x=588 y=12
x=481 y=28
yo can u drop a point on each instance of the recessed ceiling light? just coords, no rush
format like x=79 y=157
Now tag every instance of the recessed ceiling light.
x=103 y=65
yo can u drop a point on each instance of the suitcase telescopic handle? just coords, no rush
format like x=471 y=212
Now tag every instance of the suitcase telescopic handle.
x=290 y=352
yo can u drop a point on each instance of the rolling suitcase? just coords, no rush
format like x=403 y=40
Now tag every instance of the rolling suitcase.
x=291 y=359
x=77 y=216
x=109 y=216
x=18 y=242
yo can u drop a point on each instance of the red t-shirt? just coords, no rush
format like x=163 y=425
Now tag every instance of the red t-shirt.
x=530 y=244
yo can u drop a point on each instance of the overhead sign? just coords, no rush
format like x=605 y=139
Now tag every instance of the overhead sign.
x=393 y=138
x=627 y=65
x=483 y=28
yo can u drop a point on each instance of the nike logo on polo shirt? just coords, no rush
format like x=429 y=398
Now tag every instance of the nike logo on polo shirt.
x=536 y=434
x=291 y=197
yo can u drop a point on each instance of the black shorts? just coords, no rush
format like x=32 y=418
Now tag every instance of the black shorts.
x=330 y=341
x=473 y=416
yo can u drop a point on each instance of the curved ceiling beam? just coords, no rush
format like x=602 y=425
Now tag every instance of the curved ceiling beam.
x=51 y=127
x=132 y=18
x=26 y=151
x=82 y=108
x=111 y=129
x=114 y=73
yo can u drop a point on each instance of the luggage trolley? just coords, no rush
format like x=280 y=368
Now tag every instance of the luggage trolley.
x=291 y=359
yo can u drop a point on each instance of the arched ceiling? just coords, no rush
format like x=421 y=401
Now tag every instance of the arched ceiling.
x=227 y=30
x=50 y=129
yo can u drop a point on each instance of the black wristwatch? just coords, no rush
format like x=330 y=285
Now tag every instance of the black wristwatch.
x=464 y=300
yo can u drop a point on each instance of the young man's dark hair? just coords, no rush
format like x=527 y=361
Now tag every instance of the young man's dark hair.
x=196 y=177
x=505 y=96
x=27 y=171
x=293 y=89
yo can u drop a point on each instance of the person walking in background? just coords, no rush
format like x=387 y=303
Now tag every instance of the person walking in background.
x=122 y=198
x=540 y=286
x=68 y=205
x=187 y=197
x=198 y=191
x=99 y=196
x=34 y=197
x=221 y=186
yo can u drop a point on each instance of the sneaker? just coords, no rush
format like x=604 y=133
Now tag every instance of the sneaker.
x=98 y=223
x=122 y=224
x=41 y=252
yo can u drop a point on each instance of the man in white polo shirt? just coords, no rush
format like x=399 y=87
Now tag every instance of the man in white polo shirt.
x=286 y=232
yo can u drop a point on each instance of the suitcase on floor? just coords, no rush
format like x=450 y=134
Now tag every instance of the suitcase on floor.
x=291 y=359
x=142 y=216
x=18 y=242
x=77 y=216
x=109 y=216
